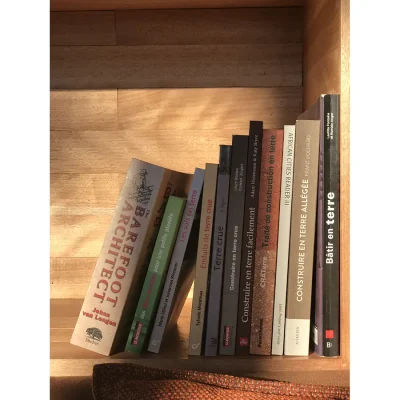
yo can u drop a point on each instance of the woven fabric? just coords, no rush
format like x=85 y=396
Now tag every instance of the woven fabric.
x=130 y=382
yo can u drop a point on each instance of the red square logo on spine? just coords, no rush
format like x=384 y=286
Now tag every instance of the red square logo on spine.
x=244 y=341
x=329 y=334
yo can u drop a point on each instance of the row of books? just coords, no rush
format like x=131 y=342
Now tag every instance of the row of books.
x=257 y=233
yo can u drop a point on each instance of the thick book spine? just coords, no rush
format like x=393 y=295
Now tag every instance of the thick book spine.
x=203 y=261
x=151 y=291
x=249 y=238
x=233 y=245
x=218 y=249
x=119 y=265
x=174 y=270
x=327 y=272
x=301 y=253
x=266 y=244
x=282 y=257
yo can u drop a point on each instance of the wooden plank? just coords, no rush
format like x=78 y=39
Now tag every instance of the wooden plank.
x=83 y=109
x=84 y=194
x=210 y=26
x=70 y=277
x=82 y=28
x=321 y=63
x=104 y=67
x=111 y=152
x=73 y=5
x=223 y=108
x=77 y=235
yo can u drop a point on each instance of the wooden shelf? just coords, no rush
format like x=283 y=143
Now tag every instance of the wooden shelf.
x=127 y=84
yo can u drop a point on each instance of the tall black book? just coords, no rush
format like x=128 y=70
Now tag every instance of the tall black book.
x=218 y=248
x=326 y=312
x=233 y=245
x=249 y=238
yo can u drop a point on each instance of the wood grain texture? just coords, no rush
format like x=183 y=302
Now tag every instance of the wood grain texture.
x=105 y=67
x=326 y=70
x=321 y=61
x=78 y=235
x=84 y=194
x=73 y=5
x=222 y=108
x=82 y=28
x=70 y=277
x=83 y=109
x=111 y=152
x=210 y=26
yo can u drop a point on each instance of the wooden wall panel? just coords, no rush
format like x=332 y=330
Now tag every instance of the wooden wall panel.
x=82 y=28
x=72 y=5
x=100 y=67
x=222 y=108
x=83 y=109
x=210 y=26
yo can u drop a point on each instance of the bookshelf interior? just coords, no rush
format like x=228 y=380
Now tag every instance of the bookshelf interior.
x=168 y=84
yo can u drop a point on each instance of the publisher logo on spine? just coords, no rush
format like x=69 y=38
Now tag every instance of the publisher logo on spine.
x=93 y=335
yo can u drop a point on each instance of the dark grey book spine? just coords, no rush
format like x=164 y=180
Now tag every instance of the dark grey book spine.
x=218 y=248
x=170 y=287
x=249 y=238
x=330 y=219
x=233 y=245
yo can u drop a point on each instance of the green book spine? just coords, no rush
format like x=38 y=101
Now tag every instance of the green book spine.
x=154 y=281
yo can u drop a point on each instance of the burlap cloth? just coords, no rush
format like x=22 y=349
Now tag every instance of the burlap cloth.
x=130 y=381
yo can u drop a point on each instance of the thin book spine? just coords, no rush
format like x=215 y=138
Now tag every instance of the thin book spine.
x=330 y=250
x=203 y=261
x=249 y=238
x=233 y=245
x=152 y=286
x=282 y=257
x=168 y=296
x=266 y=244
x=302 y=237
x=218 y=249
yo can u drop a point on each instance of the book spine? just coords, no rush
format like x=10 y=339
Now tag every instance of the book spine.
x=266 y=245
x=233 y=246
x=154 y=280
x=282 y=257
x=301 y=253
x=203 y=261
x=175 y=265
x=218 y=249
x=249 y=238
x=121 y=258
x=331 y=245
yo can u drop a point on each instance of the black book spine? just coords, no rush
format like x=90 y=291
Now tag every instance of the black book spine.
x=249 y=238
x=331 y=287
x=218 y=248
x=233 y=245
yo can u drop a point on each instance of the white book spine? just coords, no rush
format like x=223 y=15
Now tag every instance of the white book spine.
x=283 y=240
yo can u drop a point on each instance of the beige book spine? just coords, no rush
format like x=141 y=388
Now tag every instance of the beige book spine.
x=302 y=236
x=114 y=279
x=203 y=260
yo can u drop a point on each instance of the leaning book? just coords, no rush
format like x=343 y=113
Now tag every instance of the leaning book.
x=153 y=284
x=107 y=311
